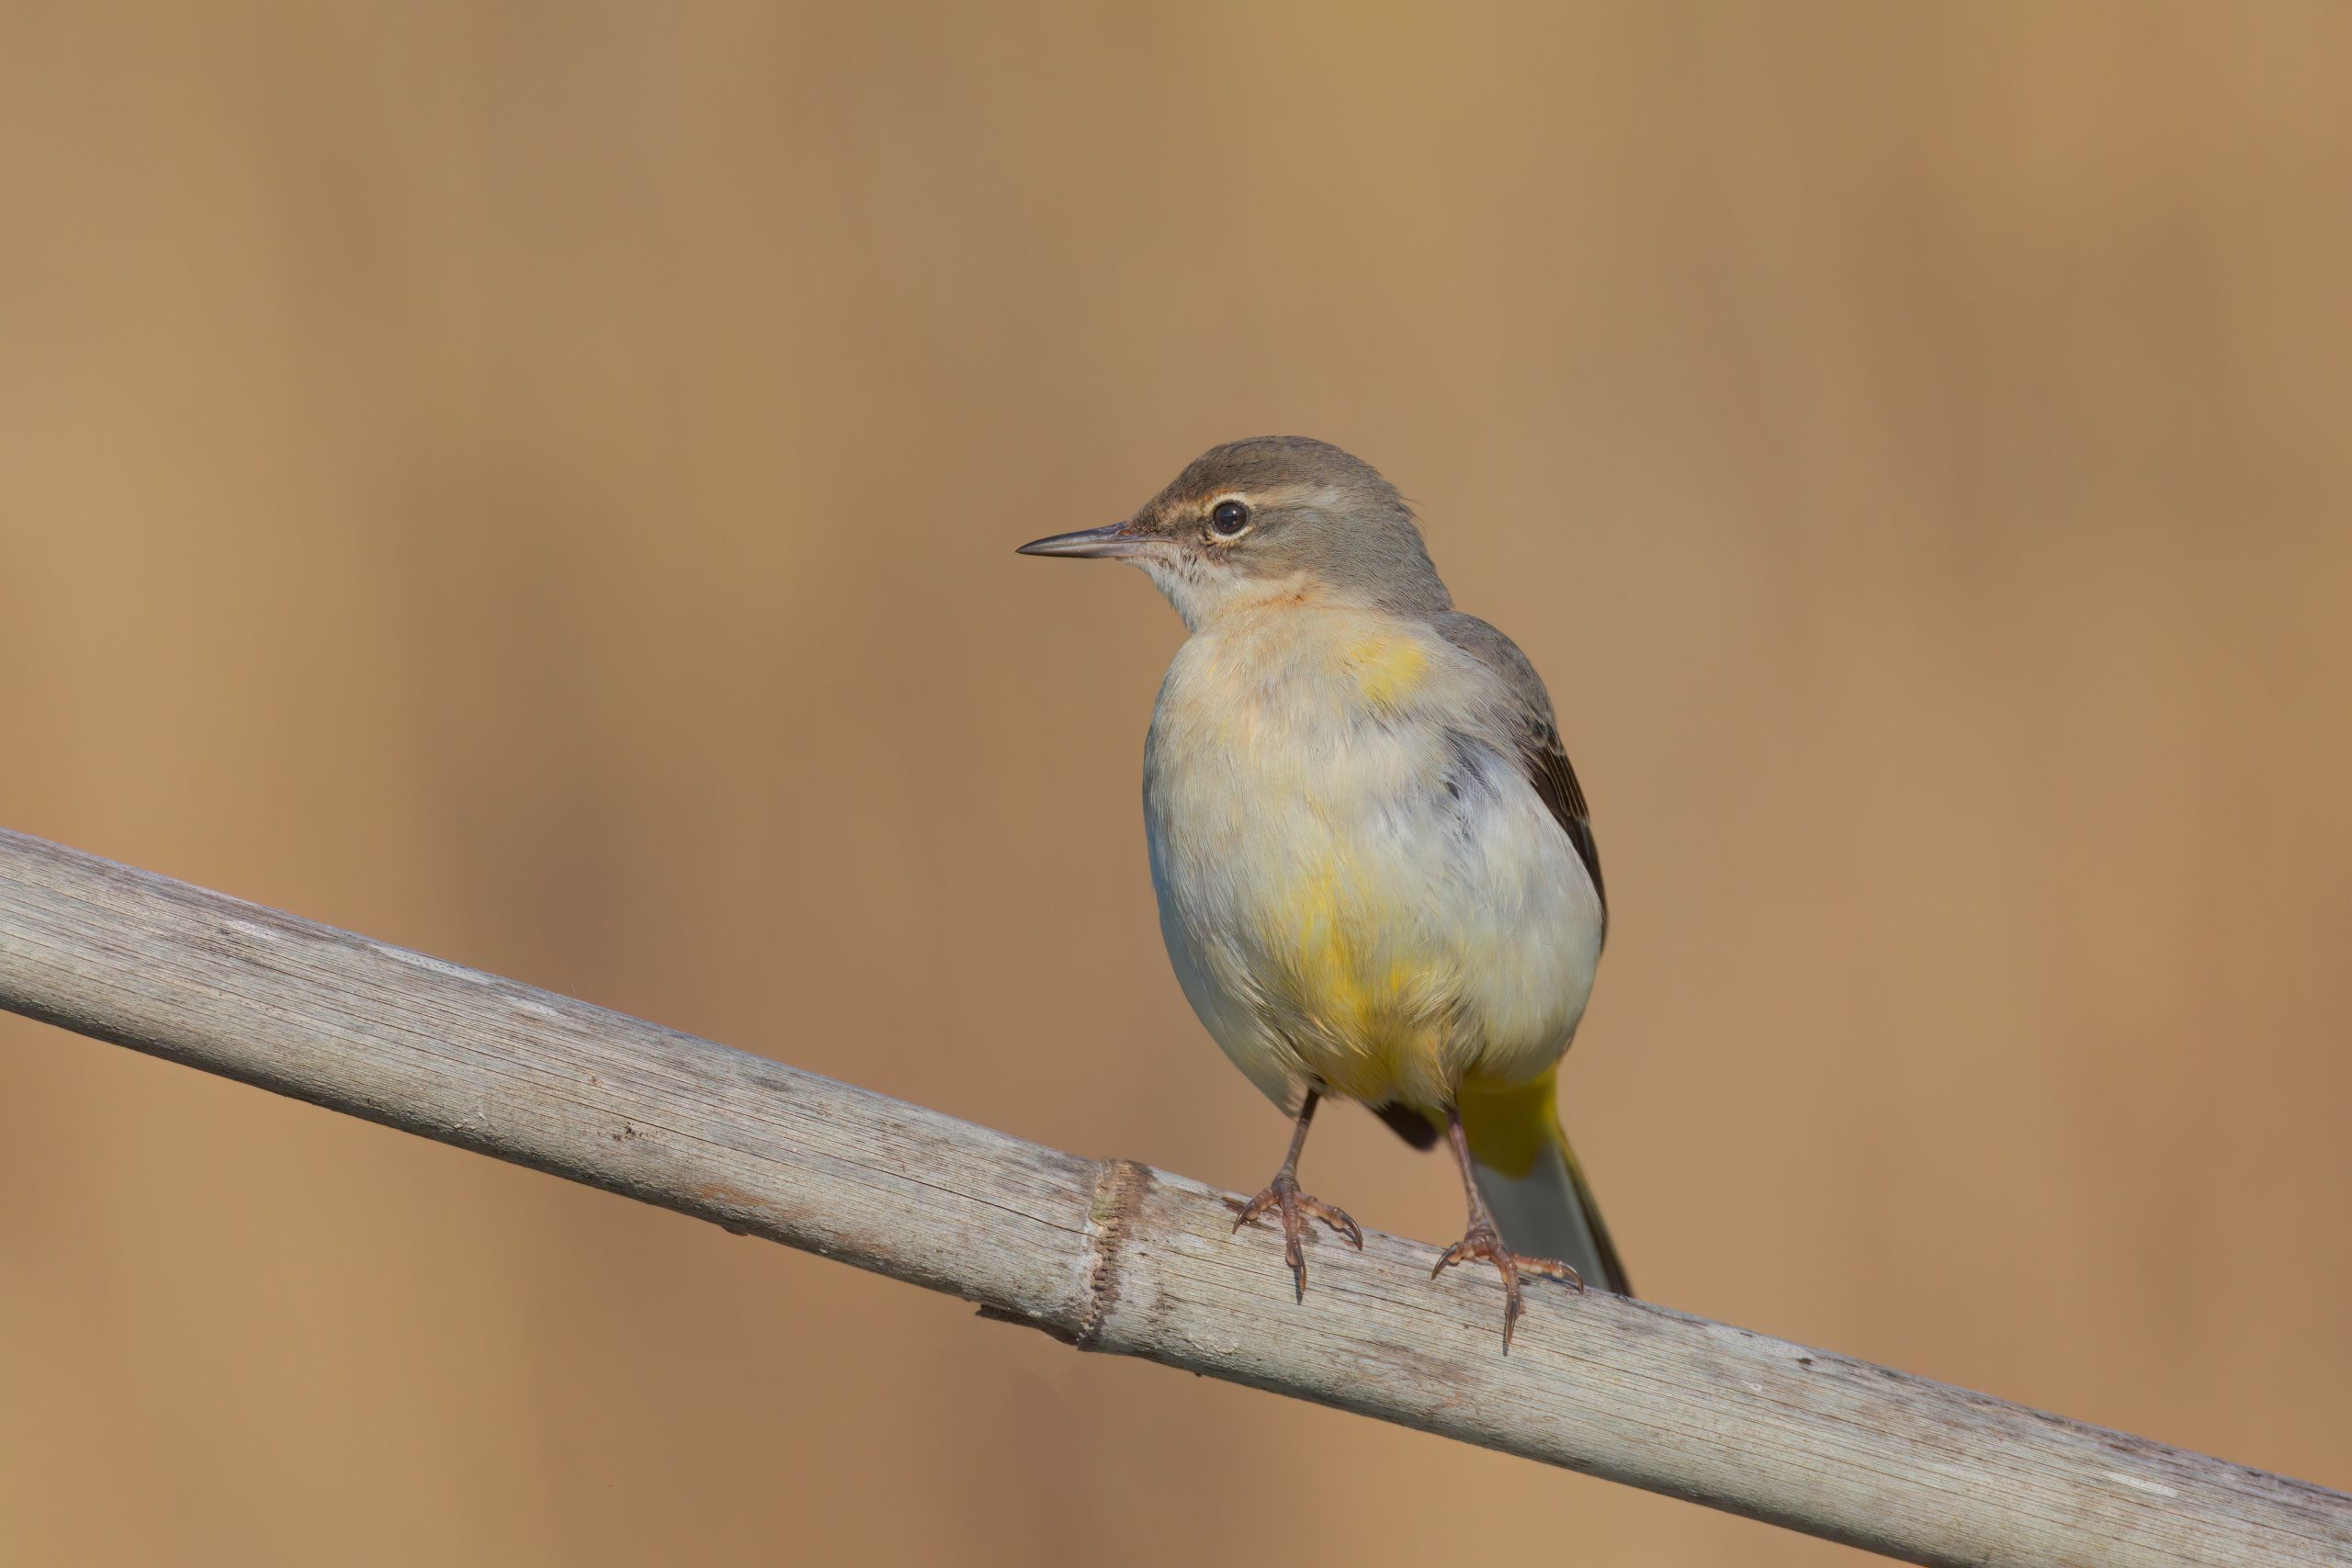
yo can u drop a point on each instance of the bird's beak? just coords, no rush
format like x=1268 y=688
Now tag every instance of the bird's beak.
x=1110 y=541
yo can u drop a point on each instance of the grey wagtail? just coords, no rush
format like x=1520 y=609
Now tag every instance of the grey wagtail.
x=1376 y=872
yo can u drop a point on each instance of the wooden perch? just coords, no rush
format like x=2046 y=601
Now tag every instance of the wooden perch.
x=1109 y=1255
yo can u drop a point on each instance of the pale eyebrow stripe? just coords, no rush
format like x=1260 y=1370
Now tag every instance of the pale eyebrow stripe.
x=1280 y=495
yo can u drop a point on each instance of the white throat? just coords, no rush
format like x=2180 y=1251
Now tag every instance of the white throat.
x=1202 y=593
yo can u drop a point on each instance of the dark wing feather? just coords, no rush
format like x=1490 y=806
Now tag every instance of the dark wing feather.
x=1536 y=735
x=1555 y=781
x=1409 y=1124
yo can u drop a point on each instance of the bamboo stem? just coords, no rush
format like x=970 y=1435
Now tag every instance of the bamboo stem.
x=1109 y=1255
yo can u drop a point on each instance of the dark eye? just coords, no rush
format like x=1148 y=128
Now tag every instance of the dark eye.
x=1229 y=518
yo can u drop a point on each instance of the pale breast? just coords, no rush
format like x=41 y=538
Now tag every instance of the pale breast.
x=1355 y=890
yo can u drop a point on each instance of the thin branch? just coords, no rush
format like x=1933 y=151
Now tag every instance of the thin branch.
x=1111 y=1256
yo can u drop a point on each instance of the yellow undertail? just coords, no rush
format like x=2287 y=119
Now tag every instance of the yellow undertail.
x=1531 y=1180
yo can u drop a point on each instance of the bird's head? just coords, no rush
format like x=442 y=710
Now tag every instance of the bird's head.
x=1273 y=520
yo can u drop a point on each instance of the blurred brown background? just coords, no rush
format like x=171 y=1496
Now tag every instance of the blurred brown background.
x=538 y=482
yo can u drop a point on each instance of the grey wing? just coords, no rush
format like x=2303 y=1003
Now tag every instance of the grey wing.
x=1528 y=715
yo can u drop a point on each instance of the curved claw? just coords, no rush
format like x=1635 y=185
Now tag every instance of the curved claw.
x=1484 y=1242
x=1334 y=1217
x=1284 y=1196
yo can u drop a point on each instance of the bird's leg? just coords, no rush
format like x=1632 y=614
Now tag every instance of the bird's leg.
x=1483 y=1240
x=1282 y=1194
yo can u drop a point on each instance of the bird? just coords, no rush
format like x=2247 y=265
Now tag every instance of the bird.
x=1375 y=868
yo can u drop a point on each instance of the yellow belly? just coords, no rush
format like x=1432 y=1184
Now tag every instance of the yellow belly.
x=1366 y=1009
x=1348 y=899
